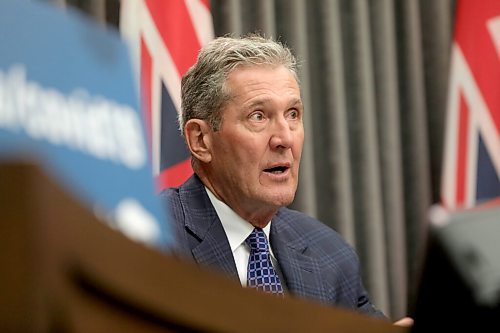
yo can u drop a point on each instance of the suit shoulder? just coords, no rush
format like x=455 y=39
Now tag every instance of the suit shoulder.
x=170 y=193
x=300 y=220
x=304 y=226
x=170 y=198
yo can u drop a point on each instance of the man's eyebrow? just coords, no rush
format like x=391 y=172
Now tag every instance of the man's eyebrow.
x=297 y=102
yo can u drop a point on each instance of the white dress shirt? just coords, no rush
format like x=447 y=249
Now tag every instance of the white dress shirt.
x=237 y=231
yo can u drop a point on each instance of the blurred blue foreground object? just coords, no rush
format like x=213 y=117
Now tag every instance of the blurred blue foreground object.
x=68 y=102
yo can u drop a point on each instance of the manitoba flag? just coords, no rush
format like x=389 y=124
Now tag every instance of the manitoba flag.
x=165 y=37
x=471 y=166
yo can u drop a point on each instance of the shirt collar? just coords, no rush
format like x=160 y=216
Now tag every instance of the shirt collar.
x=237 y=229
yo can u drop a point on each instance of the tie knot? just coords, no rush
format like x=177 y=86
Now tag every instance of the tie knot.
x=258 y=241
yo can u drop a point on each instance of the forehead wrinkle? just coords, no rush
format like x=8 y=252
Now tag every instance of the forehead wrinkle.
x=260 y=101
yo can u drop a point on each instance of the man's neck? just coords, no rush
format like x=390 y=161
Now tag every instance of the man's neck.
x=258 y=217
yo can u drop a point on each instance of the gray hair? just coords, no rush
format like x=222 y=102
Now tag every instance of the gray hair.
x=203 y=90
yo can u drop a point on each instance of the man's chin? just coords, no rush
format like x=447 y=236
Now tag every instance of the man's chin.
x=281 y=199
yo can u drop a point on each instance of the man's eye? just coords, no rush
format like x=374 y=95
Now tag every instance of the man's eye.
x=257 y=116
x=293 y=114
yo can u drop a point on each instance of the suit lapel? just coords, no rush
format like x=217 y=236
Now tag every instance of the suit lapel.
x=214 y=250
x=209 y=245
x=302 y=273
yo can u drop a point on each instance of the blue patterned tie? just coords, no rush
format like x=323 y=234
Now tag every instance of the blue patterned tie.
x=261 y=274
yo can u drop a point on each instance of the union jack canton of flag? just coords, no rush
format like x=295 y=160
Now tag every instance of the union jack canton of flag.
x=471 y=166
x=165 y=37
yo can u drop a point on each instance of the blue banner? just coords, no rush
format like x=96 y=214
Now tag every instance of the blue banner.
x=68 y=102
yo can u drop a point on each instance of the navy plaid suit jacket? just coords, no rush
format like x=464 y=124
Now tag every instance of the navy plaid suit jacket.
x=316 y=261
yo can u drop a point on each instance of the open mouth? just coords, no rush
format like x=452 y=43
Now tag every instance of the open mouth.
x=277 y=169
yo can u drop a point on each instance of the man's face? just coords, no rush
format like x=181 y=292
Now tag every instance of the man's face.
x=256 y=152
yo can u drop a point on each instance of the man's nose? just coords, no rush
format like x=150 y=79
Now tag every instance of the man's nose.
x=282 y=134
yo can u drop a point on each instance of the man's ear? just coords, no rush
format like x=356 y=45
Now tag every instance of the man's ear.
x=198 y=139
